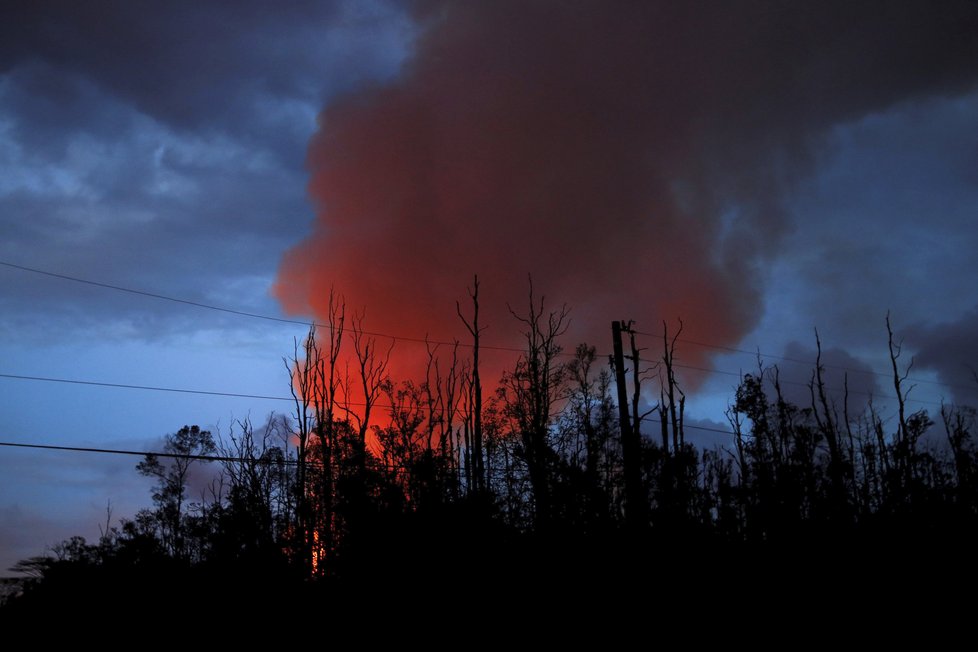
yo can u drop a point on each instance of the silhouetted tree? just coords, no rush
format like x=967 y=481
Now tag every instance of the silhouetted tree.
x=473 y=450
x=530 y=393
x=371 y=370
x=797 y=489
x=257 y=511
x=588 y=438
x=180 y=451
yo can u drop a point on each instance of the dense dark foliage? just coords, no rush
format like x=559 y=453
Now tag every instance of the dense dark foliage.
x=330 y=506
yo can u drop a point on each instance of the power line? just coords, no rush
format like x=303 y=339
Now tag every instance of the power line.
x=427 y=341
x=118 y=451
x=153 y=295
x=374 y=464
x=265 y=397
x=340 y=403
x=185 y=456
x=212 y=393
x=144 y=387
x=870 y=372
x=798 y=383
x=692 y=427
x=227 y=458
x=377 y=463
x=217 y=458
x=243 y=313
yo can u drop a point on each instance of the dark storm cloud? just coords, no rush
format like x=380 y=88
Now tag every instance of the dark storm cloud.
x=840 y=371
x=951 y=350
x=708 y=434
x=146 y=209
x=195 y=64
x=43 y=104
x=161 y=146
x=885 y=225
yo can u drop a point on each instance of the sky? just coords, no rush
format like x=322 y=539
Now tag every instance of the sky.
x=751 y=168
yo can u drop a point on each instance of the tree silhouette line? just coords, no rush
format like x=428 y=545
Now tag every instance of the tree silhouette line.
x=376 y=483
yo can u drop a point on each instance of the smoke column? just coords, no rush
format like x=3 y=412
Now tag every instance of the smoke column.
x=634 y=157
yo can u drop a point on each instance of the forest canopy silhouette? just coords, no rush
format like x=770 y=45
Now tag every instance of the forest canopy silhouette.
x=374 y=483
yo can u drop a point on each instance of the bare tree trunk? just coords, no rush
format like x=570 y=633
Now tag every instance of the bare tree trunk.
x=372 y=372
x=315 y=387
x=301 y=379
x=905 y=444
x=827 y=423
x=672 y=409
x=636 y=501
x=476 y=458
x=534 y=387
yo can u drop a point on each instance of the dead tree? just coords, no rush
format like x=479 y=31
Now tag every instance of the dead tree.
x=671 y=410
x=531 y=390
x=903 y=439
x=373 y=380
x=434 y=398
x=317 y=391
x=478 y=479
x=452 y=399
x=301 y=379
x=442 y=402
x=827 y=422
x=636 y=498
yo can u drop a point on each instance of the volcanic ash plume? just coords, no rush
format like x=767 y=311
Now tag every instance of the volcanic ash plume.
x=633 y=157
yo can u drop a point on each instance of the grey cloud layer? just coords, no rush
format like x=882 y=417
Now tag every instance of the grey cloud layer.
x=161 y=146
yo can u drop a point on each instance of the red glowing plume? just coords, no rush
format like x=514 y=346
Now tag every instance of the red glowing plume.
x=630 y=156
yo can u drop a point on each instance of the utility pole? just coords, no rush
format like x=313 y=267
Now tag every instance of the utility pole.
x=630 y=445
